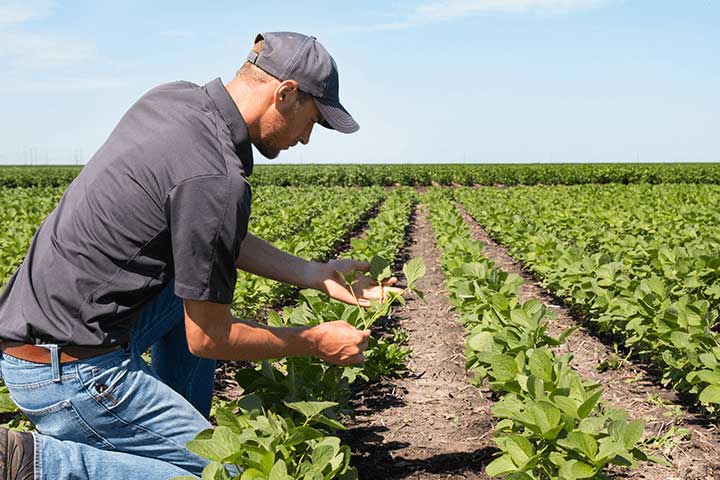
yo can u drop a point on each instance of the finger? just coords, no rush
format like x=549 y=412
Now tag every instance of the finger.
x=361 y=266
x=363 y=302
x=390 y=281
x=363 y=345
x=356 y=359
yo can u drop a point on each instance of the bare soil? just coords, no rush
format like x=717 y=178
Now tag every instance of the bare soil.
x=632 y=386
x=432 y=424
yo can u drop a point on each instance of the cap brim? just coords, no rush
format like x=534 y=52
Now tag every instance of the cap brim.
x=335 y=116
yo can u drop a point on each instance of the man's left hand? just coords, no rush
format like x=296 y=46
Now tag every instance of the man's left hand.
x=364 y=288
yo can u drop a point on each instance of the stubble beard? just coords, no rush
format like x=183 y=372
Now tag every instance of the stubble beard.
x=269 y=147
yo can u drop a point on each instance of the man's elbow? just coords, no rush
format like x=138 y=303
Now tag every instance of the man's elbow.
x=206 y=329
x=202 y=346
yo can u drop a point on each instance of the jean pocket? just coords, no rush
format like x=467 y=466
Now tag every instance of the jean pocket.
x=61 y=420
x=105 y=382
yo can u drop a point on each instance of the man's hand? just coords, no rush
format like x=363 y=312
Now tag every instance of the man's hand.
x=364 y=288
x=339 y=342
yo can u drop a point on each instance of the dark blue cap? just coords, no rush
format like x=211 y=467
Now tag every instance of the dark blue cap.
x=294 y=56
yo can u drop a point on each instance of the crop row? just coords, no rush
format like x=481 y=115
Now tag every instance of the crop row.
x=283 y=427
x=443 y=174
x=551 y=423
x=641 y=263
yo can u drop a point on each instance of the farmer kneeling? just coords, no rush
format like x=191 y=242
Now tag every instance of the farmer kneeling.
x=141 y=253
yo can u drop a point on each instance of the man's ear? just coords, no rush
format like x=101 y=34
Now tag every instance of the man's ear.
x=286 y=94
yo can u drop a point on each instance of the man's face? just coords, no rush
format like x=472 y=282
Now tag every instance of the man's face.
x=286 y=125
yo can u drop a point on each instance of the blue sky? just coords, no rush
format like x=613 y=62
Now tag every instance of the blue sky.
x=428 y=80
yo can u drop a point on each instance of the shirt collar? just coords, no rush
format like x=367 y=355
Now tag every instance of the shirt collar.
x=235 y=122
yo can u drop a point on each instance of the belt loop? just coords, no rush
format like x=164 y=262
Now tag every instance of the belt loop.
x=55 y=357
x=54 y=360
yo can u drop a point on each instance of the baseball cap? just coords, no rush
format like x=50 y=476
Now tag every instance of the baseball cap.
x=291 y=55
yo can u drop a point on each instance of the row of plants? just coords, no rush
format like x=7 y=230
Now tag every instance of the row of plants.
x=422 y=174
x=551 y=423
x=640 y=263
x=284 y=426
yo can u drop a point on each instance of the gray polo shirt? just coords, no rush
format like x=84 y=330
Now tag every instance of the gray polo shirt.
x=166 y=197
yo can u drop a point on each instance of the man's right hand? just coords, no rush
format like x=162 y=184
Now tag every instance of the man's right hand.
x=339 y=342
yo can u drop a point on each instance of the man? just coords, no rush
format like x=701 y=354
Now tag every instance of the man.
x=141 y=253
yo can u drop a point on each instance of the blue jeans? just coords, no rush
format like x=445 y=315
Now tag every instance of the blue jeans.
x=113 y=416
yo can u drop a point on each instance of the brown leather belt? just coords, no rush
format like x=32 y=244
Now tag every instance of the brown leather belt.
x=35 y=354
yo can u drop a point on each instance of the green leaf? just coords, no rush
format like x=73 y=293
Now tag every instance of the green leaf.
x=540 y=363
x=274 y=320
x=546 y=416
x=279 y=471
x=575 y=469
x=633 y=433
x=332 y=423
x=504 y=368
x=500 y=466
x=215 y=471
x=589 y=404
x=414 y=270
x=710 y=394
x=581 y=442
x=226 y=418
x=380 y=268
x=567 y=405
x=310 y=409
x=251 y=402
x=223 y=444
x=302 y=434
x=519 y=449
x=324 y=452
x=252 y=474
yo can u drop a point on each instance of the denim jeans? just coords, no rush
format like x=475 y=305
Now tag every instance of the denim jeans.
x=113 y=416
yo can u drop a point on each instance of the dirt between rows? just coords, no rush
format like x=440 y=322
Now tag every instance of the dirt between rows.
x=432 y=424
x=632 y=386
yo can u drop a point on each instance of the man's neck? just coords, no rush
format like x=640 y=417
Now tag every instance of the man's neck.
x=251 y=101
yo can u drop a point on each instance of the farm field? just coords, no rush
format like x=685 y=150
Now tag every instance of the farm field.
x=559 y=323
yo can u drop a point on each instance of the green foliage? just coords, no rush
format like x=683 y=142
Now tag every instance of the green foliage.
x=307 y=397
x=440 y=174
x=267 y=446
x=552 y=424
x=640 y=262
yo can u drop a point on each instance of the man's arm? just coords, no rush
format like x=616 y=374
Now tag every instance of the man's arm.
x=260 y=258
x=257 y=256
x=212 y=332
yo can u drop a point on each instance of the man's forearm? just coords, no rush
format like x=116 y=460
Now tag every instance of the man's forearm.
x=257 y=256
x=218 y=335
x=251 y=341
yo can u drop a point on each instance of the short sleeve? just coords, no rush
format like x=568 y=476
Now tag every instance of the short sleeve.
x=208 y=219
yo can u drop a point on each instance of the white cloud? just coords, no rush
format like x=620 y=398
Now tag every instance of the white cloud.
x=449 y=9
x=445 y=10
x=23 y=50
x=39 y=51
x=61 y=85
x=14 y=12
